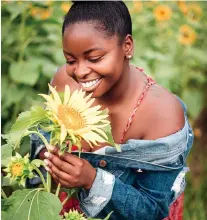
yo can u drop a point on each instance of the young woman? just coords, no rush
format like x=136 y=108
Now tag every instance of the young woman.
x=149 y=122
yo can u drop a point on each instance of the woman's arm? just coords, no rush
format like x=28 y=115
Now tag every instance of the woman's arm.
x=147 y=199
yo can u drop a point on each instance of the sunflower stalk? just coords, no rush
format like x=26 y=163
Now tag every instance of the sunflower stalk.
x=58 y=189
x=48 y=182
x=44 y=140
x=65 y=200
x=41 y=177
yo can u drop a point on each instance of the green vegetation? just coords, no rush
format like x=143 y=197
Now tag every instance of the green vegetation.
x=170 y=44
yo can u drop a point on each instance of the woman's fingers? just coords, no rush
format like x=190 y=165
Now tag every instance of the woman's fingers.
x=60 y=176
x=57 y=180
x=53 y=149
x=65 y=161
x=72 y=159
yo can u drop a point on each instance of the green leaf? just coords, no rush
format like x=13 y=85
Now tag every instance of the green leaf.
x=25 y=121
x=49 y=69
x=6 y=181
x=14 y=10
x=25 y=72
x=194 y=101
x=6 y=154
x=32 y=204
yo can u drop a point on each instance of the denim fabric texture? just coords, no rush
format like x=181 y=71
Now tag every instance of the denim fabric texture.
x=138 y=183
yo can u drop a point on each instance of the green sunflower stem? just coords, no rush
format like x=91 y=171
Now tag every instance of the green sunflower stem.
x=3 y=194
x=58 y=189
x=41 y=177
x=44 y=140
x=48 y=182
x=65 y=200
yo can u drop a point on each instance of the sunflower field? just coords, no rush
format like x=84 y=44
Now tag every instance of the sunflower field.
x=170 y=44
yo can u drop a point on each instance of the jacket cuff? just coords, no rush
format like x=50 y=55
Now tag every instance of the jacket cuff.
x=94 y=200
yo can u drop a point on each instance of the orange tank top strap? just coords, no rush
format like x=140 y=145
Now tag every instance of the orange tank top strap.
x=138 y=103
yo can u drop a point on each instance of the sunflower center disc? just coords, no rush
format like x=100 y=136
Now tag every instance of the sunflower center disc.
x=71 y=118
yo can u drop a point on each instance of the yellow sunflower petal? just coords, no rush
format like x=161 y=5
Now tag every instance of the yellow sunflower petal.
x=95 y=120
x=50 y=100
x=55 y=94
x=93 y=137
x=52 y=107
x=66 y=95
x=63 y=133
x=91 y=110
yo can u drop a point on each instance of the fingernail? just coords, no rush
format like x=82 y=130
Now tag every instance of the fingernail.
x=46 y=161
x=47 y=154
x=47 y=168
x=51 y=148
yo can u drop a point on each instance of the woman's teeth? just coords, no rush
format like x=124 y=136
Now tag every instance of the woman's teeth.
x=89 y=84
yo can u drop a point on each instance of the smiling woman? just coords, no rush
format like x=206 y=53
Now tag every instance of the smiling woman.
x=150 y=123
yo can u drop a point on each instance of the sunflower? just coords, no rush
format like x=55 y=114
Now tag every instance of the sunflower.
x=45 y=14
x=19 y=169
x=73 y=215
x=162 y=13
x=194 y=11
x=65 y=7
x=75 y=117
x=183 y=6
x=40 y=13
x=187 y=35
x=137 y=7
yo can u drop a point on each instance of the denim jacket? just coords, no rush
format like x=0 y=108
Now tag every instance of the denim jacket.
x=138 y=183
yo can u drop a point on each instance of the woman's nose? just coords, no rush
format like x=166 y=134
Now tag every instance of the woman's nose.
x=81 y=71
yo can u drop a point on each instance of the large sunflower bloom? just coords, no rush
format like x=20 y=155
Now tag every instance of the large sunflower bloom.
x=187 y=35
x=75 y=117
x=162 y=13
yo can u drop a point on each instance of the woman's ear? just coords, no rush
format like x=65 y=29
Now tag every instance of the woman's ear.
x=128 y=46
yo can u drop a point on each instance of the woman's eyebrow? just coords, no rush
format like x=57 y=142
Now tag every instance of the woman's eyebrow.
x=91 y=50
x=85 y=52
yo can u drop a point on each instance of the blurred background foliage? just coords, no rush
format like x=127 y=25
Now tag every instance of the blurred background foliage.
x=170 y=44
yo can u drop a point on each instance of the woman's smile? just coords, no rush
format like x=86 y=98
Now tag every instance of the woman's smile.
x=91 y=85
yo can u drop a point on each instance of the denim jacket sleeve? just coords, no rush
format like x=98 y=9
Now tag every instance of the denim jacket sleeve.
x=148 y=198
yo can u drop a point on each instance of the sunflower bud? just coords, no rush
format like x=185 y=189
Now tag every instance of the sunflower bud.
x=19 y=169
x=74 y=215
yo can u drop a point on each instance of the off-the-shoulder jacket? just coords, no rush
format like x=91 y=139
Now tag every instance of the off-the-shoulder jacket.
x=138 y=183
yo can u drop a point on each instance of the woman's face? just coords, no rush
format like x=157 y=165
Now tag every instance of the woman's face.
x=93 y=60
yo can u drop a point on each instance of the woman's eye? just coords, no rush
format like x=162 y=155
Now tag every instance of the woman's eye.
x=70 y=62
x=95 y=60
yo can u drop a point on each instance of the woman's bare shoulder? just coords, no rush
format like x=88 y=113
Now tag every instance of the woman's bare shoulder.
x=163 y=113
x=61 y=78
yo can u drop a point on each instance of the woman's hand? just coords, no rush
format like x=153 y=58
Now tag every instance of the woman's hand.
x=69 y=170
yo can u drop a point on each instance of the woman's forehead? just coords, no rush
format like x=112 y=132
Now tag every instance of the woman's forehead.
x=85 y=35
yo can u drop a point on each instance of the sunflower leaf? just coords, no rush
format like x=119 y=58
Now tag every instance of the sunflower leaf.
x=25 y=121
x=110 y=139
x=31 y=204
x=6 y=154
